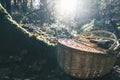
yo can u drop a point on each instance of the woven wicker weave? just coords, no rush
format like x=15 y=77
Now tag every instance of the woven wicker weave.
x=83 y=63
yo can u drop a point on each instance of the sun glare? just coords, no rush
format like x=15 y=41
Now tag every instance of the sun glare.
x=68 y=6
x=65 y=9
x=70 y=10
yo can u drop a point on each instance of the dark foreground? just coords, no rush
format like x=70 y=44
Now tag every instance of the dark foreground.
x=25 y=57
x=31 y=67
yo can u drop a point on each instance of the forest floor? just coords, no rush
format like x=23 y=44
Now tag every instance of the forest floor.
x=33 y=68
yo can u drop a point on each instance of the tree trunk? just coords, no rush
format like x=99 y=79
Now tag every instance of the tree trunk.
x=24 y=6
x=8 y=5
x=15 y=2
x=31 y=3
x=14 y=40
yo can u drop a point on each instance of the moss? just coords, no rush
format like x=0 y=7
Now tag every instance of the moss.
x=15 y=39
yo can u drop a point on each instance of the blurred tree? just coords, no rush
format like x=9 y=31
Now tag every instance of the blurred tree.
x=6 y=4
x=24 y=6
x=31 y=4
x=15 y=2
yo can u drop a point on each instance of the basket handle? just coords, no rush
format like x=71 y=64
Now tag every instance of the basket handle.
x=83 y=37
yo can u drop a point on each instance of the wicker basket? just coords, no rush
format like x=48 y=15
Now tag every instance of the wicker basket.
x=82 y=63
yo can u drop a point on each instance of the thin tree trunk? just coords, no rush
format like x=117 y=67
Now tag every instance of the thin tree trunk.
x=8 y=5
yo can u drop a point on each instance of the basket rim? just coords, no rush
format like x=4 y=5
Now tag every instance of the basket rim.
x=115 y=44
x=101 y=53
